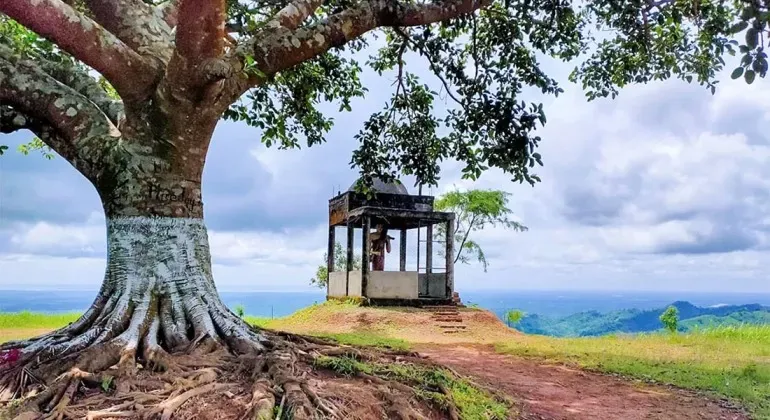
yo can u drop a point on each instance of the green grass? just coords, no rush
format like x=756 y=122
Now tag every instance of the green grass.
x=368 y=339
x=732 y=362
x=258 y=321
x=472 y=403
x=302 y=316
x=29 y=320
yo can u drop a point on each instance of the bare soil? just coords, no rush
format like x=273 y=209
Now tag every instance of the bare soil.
x=543 y=391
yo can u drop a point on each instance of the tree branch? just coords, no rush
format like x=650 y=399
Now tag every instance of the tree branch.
x=170 y=12
x=132 y=75
x=275 y=50
x=294 y=13
x=200 y=42
x=78 y=80
x=12 y=120
x=81 y=128
x=465 y=238
x=137 y=24
x=200 y=30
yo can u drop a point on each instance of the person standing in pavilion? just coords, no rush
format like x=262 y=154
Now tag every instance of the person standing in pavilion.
x=380 y=245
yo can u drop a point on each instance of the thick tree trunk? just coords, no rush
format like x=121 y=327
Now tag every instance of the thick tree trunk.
x=159 y=278
x=158 y=295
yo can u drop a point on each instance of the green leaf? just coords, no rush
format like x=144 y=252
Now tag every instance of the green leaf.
x=738 y=72
x=749 y=76
x=739 y=27
x=746 y=60
x=111 y=92
x=106 y=383
x=752 y=38
x=3 y=149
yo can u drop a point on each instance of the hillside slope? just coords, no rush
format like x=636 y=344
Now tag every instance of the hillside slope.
x=414 y=325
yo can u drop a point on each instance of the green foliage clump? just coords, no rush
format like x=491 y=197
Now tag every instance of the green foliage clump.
x=240 y=310
x=514 y=317
x=474 y=210
x=472 y=403
x=340 y=264
x=670 y=318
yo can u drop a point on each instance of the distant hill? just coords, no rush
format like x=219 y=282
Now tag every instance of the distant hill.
x=592 y=323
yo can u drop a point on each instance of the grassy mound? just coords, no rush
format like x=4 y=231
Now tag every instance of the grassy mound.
x=412 y=325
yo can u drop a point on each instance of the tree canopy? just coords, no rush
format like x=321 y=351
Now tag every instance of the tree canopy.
x=282 y=60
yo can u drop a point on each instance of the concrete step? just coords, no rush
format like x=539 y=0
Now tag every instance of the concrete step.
x=445 y=314
x=458 y=327
x=448 y=319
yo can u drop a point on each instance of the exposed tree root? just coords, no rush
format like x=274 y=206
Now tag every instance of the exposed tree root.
x=126 y=369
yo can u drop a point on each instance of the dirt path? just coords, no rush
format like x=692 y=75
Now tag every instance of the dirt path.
x=557 y=392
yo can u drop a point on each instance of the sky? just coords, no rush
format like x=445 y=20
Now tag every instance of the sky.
x=665 y=188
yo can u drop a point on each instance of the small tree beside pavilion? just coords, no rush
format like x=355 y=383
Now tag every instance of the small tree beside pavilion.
x=476 y=210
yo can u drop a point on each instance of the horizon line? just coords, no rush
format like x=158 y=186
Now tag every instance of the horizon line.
x=320 y=291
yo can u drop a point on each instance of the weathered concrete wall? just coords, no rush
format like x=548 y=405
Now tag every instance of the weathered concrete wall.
x=392 y=284
x=436 y=284
x=337 y=284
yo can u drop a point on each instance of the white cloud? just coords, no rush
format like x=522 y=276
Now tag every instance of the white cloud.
x=289 y=247
x=44 y=237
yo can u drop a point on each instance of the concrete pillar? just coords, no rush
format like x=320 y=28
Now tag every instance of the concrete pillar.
x=429 y=249
x=450 y=254
x=402 y=251
x=366 y=249
x=330 y=257
x=349 y=268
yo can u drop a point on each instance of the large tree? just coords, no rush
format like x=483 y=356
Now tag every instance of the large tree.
x=129 y=92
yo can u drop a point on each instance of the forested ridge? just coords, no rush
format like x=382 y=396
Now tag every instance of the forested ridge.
x=592 y=323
